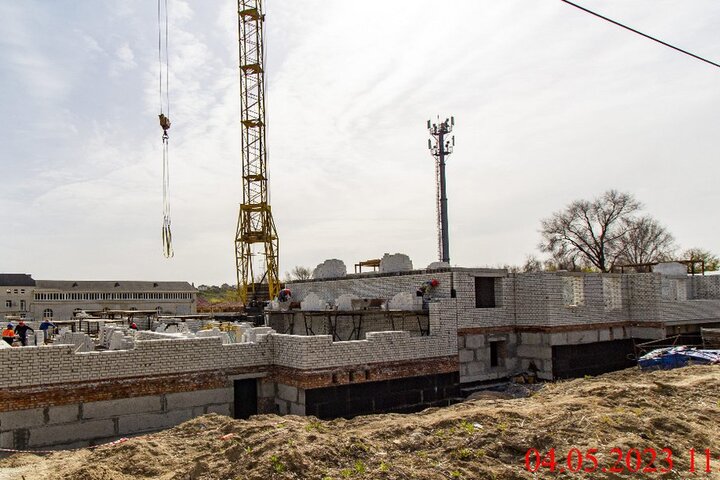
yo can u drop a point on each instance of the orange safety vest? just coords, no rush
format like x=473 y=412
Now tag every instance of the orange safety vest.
x=8 y=333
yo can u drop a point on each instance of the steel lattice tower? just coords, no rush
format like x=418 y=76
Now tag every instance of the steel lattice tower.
x=440 y=149
x=256 y=234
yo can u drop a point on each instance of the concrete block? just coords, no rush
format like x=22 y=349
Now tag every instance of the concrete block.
x=266 y=388
x=178 y=401
x=618 y=333
x=301 y=396
x=64 y=413
x=474 y=341
x=534 y=352
x=475 y=368
x=581 y=337
x=531 y=338
x=122 y=406
x=57 y=434
x=647 y=333
x=287 y=392
x=297 y=409
x=604 y=335
x=559 y=338
x=6 y=440
x=22 y=419
x=466 y=356
x=147 y=422
x=282 y=407
x=220 y=409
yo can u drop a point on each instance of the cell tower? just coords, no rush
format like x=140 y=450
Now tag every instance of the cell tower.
x=441 y=146
x=256 y=234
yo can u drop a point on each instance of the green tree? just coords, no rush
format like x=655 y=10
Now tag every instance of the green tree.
x=712 y=262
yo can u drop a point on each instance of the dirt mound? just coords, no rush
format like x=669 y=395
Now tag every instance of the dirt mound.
x=478 y=439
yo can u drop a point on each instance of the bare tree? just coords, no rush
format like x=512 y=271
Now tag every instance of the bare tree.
x=301 y=273
x=532 y=264
x=589 y=232
x=646 y=241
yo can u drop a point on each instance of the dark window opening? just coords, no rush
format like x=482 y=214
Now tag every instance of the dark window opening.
x=484 y=292
x=497 y=353
x=245 y=403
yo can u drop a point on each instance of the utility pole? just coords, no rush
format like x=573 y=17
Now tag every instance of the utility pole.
x=441 y=146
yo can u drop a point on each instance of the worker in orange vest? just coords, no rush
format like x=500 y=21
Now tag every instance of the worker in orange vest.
x=9 y=334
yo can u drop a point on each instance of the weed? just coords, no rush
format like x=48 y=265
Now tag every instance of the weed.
x=277 y=465
x=464 y=454
x=346 y=472
x=455 y=474
x=315 y=425
x=469 y=427
x=384 y=467
x=360 y=467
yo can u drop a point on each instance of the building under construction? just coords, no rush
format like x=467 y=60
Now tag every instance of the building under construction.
x=395 y=340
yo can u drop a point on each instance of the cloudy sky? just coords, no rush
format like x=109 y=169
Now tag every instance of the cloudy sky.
x=551 y=105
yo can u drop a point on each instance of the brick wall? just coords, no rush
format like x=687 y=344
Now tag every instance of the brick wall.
x=372 y=286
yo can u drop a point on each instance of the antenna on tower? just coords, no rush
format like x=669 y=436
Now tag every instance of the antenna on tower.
x=440 y=147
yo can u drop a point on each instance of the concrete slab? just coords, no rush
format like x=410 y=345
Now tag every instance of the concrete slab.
x=220 y=409
x=287 y=392
x=57 y=434
x=63 y=413
x=534 y=352
x=475 y=368
x=266 y=388
x=647 y=333
x=531 y=338
x=466 y=356
x=297 y=409
x=147 y=422
x=6 y=440
x=581 y=337
x=474 y=341
x=123 y=406
x=22 y=419
x=182 y=400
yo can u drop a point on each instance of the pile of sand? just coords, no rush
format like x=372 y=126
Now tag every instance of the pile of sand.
x=479 y=439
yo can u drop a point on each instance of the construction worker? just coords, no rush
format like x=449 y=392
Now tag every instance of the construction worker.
x=133 y=326
x=45 y=326
x=9 y=334
x=21 y=331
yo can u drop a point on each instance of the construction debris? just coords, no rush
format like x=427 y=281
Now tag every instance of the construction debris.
x=675 y=357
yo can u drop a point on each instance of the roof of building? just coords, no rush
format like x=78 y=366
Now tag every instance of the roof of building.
x=16 y=280
x=113 y=286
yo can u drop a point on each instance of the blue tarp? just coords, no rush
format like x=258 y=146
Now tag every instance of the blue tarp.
x=674 y=357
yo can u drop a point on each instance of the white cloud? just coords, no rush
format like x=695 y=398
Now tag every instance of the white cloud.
x=551 y=105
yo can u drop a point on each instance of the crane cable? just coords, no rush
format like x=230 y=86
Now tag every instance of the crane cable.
x=164 y=97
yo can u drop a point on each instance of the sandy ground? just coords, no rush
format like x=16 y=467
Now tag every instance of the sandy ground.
x=478 y=439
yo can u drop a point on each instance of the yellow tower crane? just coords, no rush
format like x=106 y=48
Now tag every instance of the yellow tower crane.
x=256 y=236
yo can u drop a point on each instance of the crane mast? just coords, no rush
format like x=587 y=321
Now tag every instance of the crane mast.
x=256 y=236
